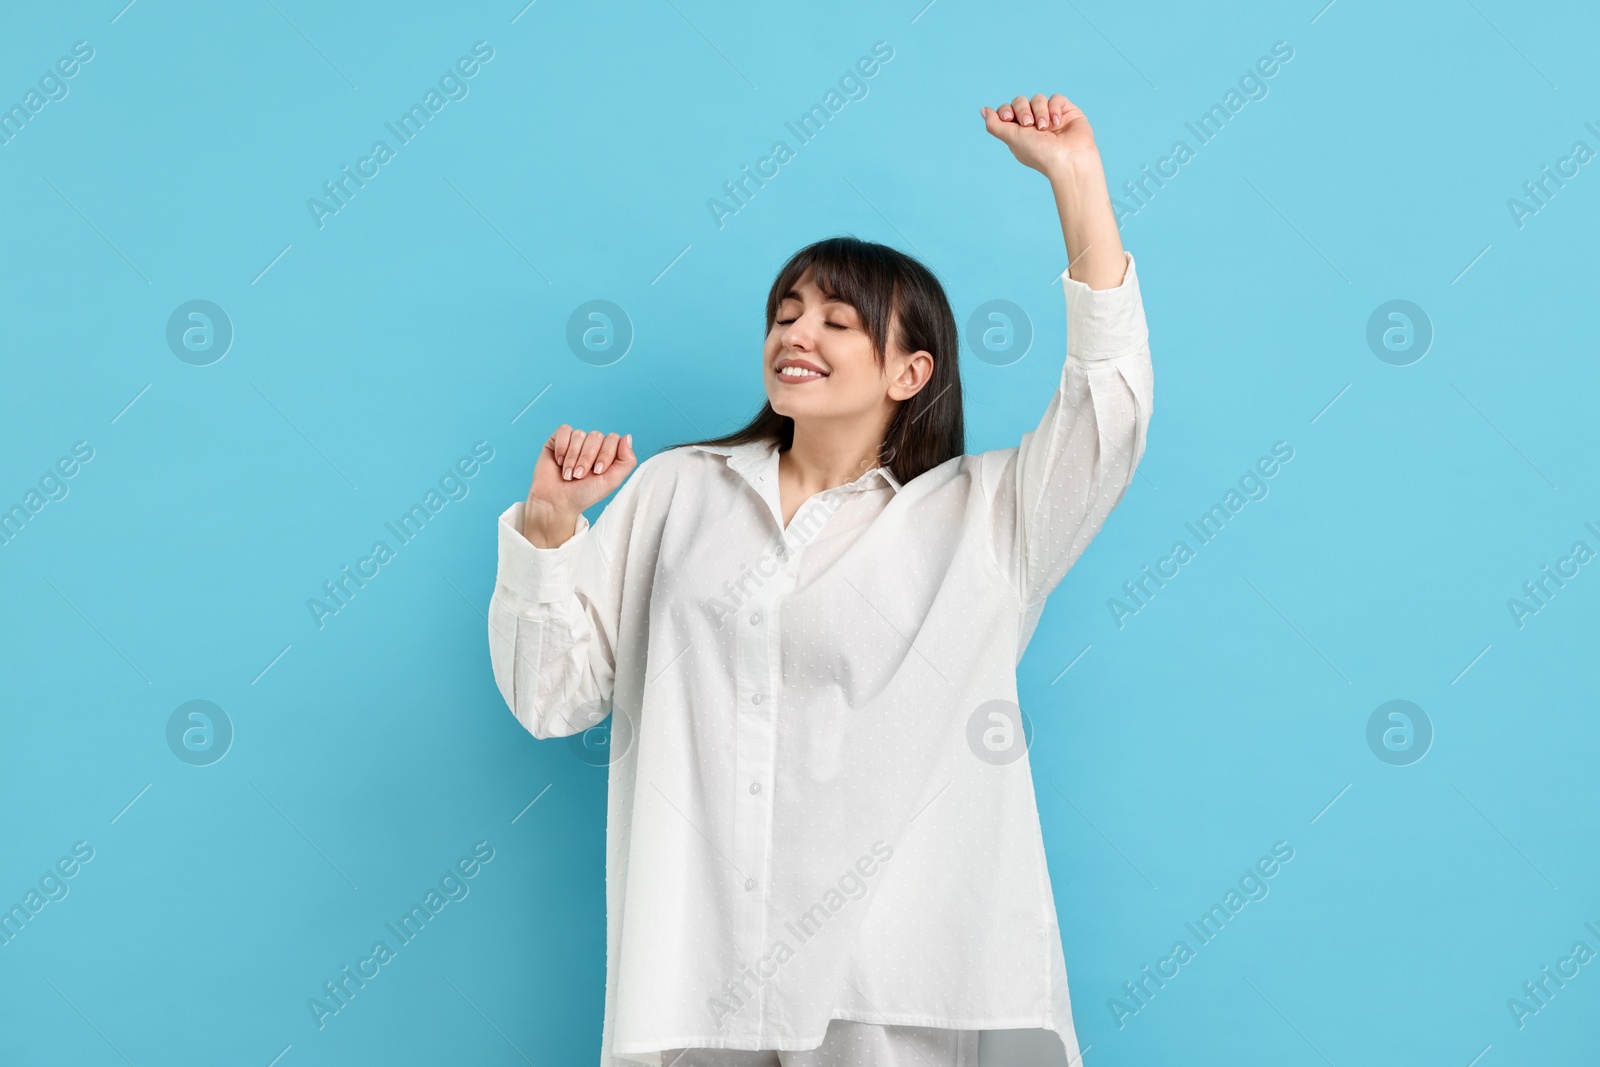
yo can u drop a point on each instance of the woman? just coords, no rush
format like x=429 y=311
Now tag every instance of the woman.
x=822 y=840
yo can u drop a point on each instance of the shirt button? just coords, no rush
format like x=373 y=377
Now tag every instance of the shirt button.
x=756 y=699
x=755 y=787
x=755 y=618
x=749 y=883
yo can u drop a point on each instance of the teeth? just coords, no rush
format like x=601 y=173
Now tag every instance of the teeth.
x=798 y=372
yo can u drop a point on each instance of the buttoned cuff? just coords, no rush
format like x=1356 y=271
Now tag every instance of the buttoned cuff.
x=537 y=575
x=1105 y=323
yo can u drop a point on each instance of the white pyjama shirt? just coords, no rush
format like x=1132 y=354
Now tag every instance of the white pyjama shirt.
x=820 y=805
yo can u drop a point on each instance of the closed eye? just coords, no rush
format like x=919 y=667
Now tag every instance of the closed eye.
x=835 y=325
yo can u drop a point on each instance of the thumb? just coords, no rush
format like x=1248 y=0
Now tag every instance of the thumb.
x=1005 y=131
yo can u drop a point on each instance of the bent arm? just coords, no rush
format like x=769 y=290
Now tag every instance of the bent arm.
x=554 y=619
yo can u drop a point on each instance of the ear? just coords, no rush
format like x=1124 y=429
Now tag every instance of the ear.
x=912 y=373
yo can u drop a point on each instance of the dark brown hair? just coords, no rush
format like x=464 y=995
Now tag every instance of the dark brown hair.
x=887 y=288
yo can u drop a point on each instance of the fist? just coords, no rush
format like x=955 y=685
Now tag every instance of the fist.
x=1048 y=134
x=576 y=469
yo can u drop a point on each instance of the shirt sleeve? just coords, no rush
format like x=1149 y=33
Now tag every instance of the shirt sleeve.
x=555 y=616
x=1053 y=492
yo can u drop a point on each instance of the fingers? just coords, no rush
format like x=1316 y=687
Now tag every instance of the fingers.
x=607 y=452
x=578 y=452
x=559 y=442
x=585 y=458
x=566 y=444
x=1059 y=106
x=1041 y=111
x=567 y=456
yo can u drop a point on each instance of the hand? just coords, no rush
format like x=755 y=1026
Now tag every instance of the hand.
x=575 y=469
x=1050 y=135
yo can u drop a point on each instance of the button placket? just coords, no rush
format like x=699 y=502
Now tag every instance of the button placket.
x=757 y=654
x=754 y=745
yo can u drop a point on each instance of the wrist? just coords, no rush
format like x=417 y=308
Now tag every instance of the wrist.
x=1082 y=171
x=545 y=526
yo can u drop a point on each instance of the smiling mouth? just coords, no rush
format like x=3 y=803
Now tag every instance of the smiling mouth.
x=799 y=374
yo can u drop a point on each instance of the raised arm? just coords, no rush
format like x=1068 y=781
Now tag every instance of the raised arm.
x=1053 y=492
x=1052 y=136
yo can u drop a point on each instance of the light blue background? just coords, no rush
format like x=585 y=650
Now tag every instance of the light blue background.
x=1230 y=713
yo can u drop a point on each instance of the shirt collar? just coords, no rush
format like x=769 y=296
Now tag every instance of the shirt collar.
x=751 y=457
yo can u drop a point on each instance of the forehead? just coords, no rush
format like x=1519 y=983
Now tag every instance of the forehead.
x=806 y=290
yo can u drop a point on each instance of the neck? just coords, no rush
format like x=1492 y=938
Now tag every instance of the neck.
x=822 y=457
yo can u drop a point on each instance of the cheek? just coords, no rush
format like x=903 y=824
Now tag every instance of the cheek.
x=852 y=360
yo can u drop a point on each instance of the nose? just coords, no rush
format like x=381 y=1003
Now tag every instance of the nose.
x=798 y=334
